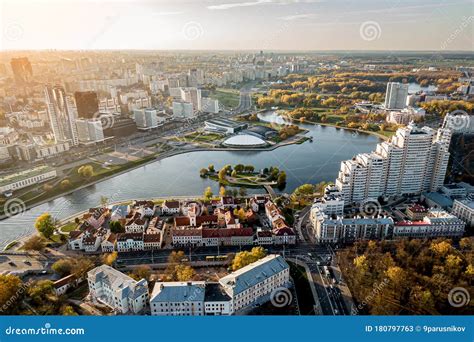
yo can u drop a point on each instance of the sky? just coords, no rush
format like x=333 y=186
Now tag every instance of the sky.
x=390 y=25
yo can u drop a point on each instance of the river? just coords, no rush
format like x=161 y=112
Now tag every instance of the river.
x=310 y=162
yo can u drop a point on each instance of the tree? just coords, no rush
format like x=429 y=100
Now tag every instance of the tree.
x=82 y=265
x=104 y=201
x=12 y=291
x=281 y=181
x=242 y=191
x=239 y=168
x=63 y=267
x=245 y=258
x=68 y=310
x=34 y=243
x=45 y=225
x=211 y=168
x=65 y=184
x=208 y=193
x=222 y=174
x=222 y=191
x=41 y=291
x=109 y=258
x=184 y=273
x=116 y=227
x=234 y=174
x=141 y=272
x=203 y=172
x=86 y=171
x=440 y=248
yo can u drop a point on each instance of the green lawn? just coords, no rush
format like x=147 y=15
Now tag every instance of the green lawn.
x=68 y=227
x=226 y=97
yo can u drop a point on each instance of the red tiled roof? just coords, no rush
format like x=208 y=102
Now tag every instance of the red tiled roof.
x=412 y=223
x=127 y=236
x=180 y=221
x=226 y=232
x=171 y=204
x=187 y=232
x=63 y=281
x=151 y=238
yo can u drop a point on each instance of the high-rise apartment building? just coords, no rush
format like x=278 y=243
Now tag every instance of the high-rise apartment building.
x=22 y=71
x=415 y=160
x=62 y=114
x=396 y=95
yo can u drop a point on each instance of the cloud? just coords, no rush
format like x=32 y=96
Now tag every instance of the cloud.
x=230 y=5
x=167 y=13
x=297 y=16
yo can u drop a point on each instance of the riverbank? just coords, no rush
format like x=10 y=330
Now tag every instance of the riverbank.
x=151 y=159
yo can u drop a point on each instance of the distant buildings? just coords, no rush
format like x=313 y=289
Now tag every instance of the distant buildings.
x=62 y=115
x=117 y=290
x=234 y=293
x=396 y=95
x=460 y=122
x=22 y=71
x=415 y=160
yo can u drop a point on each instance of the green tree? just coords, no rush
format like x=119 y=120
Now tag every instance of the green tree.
x=63 y=267
x=281 y=181
x=211 y=168
x=116 y=227
x=208 y=193
x=68 y=310
x=45 y=225
x=222 y=174
x=65 y=184
x=86 y=171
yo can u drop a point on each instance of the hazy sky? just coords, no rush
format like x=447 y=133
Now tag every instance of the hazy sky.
x=439 y=25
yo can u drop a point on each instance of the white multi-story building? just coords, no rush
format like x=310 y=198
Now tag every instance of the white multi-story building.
x=437 y=223
x=145 y=118
x=255 y=283
x=415 y=160
x=117 y=290
x=182 y=109
x=464 y=209
x=459 y=122
x=234 y=293
x=396 y=95
x=62 y=114
x=26 y=178
x=209 y=105
x=335 y=230
x=89 y=130
x=192 y=95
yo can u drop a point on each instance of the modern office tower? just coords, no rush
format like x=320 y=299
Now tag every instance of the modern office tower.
x=396 y=95
x=22 y=70
x=89 y=130
x=145 y=118
x=209 y=105
x=414 y=161
x=87 y=104
x=192 y=95
x=62 y=114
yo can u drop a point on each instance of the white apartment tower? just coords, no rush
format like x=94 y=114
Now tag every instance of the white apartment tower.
x=396 y=95
x=62 y=115
x=414 y=161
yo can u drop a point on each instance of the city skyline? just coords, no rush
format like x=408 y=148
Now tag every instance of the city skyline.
x=310 y=25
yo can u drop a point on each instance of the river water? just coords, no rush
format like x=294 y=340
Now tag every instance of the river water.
x=310 y=162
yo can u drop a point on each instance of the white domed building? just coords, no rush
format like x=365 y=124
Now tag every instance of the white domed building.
x=244 y=140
